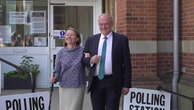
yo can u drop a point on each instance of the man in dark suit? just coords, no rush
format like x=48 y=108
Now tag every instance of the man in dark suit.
x=108 y=57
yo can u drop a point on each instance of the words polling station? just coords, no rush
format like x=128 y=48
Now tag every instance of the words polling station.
x=29 y=101
x=146 y=99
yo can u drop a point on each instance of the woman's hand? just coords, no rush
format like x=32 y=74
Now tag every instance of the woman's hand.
x=86 y=55
x=53 y=79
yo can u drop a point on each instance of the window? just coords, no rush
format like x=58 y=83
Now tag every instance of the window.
x=23 y=23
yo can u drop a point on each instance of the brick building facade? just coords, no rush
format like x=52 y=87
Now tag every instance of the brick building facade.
x=147 y=23
x=149 y=27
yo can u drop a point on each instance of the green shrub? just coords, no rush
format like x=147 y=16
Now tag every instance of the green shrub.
x=15 y=74
x=28 y=68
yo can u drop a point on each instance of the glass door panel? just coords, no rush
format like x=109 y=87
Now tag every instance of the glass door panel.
x=78 y=17
x=64 y=17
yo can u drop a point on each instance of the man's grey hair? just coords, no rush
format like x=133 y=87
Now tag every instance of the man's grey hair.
x=107 y=15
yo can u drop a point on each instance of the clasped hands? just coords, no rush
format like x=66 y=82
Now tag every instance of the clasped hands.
x=94 y=59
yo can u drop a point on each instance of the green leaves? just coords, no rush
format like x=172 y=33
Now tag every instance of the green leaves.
x=15 y=74
x=28 y=68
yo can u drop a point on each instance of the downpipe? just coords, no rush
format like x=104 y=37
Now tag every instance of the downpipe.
x=176 y=61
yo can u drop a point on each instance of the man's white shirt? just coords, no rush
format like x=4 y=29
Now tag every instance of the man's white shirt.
x=108 y=61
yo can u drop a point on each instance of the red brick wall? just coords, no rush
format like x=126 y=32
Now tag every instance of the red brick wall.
x=188 y=63
x=144 y=20
x=165 y=20
x=141 y=19
x=138 y=20
x=187 y=19
x=144 y=65
x=165 y=33
x=187 y=32
x=145 y=69
x=121 y=11
x=165 y=63
x=152 y=20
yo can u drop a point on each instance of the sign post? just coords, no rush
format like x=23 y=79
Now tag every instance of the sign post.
x=145 y=99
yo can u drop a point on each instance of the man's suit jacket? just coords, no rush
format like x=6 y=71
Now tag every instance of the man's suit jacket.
x=121 y=63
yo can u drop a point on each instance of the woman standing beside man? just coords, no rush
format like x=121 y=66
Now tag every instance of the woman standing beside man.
x=69 y=71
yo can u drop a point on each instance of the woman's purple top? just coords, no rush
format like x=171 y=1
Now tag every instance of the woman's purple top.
x=69 y=68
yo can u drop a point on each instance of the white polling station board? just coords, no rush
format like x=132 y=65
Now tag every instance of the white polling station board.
x=29 y=101
x=146 y=99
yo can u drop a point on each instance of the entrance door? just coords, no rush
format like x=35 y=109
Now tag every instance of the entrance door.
x=63 y=17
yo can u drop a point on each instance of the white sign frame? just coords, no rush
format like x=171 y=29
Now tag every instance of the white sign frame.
x=146 y=99
x=28 y=101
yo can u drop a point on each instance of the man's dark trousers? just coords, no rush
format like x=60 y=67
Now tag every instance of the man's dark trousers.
x=104 y=93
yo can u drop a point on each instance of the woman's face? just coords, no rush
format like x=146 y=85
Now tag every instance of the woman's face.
x=71 y=37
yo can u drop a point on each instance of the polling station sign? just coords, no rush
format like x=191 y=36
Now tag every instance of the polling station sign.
x=29 y=101
x=146 y=99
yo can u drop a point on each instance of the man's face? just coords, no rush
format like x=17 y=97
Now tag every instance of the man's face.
x=105 y=25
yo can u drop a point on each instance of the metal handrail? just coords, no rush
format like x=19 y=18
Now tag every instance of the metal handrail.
x=177 y=94
x=11 y=64
x=21 y=70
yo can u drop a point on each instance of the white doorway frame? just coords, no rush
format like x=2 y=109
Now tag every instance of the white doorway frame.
x=96 y=4
x=97 y=10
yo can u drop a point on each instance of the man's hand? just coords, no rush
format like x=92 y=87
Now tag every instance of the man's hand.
x=95 y=59
x=125 y=91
